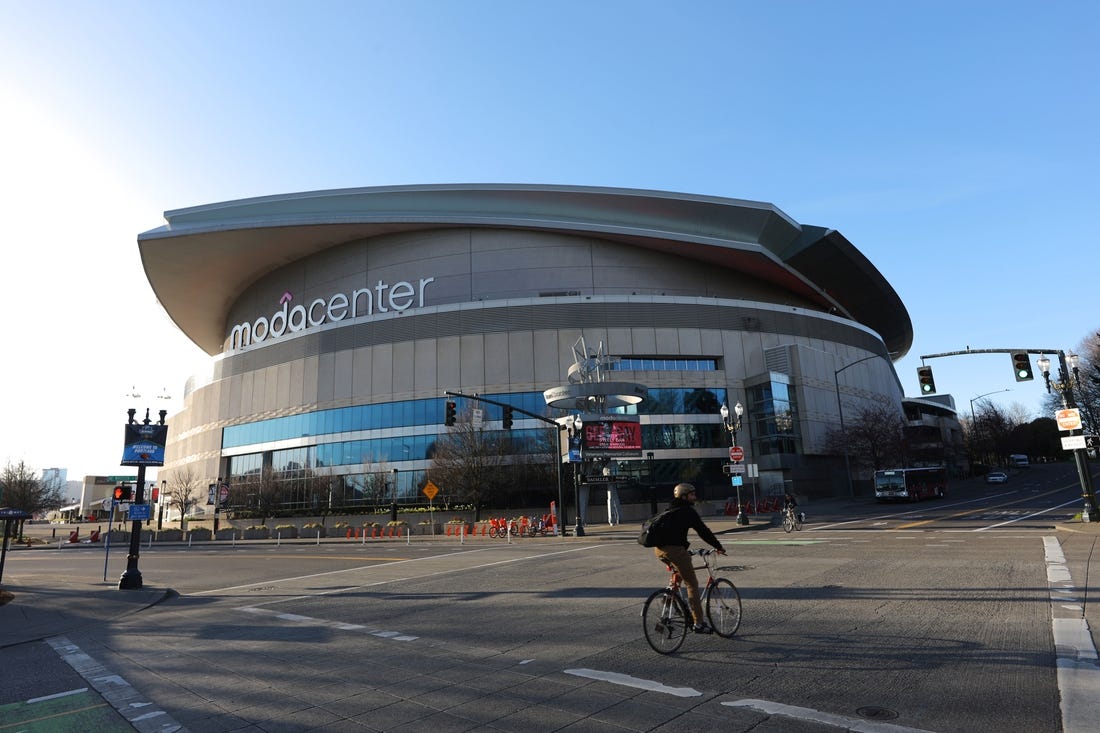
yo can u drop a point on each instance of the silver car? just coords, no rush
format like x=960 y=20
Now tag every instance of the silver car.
x=996 y=477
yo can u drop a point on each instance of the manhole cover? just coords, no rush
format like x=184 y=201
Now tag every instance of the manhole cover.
x=873 y=712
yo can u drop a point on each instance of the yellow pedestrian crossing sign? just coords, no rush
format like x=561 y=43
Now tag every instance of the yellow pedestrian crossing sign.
x=430 y=490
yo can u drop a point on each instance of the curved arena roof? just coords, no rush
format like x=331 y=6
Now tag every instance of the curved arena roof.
x=219 y=250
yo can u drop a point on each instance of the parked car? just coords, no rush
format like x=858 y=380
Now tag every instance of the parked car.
x=996 y=477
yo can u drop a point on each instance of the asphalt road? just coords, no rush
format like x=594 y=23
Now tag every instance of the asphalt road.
x=934 y=616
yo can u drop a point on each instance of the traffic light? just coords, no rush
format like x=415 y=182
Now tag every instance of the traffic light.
x=123 y=493
x=449 y=420
x=924 y=376
x=1021 y=366
x=506 y=421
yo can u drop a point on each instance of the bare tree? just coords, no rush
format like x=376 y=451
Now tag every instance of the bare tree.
x=469 y=464
x=873 y=439
x=184 y=491
x=21 y=488
x=265 y=492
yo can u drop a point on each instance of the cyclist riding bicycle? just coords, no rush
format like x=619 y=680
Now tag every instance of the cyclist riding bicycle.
x=790 y=506
x=681 y=517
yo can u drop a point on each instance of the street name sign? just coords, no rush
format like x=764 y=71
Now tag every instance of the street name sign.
x=733 y=468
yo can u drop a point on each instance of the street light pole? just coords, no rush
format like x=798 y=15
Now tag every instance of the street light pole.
x=733 y=424
x=131 y=578
x=840 y=411
x=1066 y=363
x=576 y=438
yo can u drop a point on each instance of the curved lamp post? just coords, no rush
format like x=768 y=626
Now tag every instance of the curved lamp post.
x=973 y=423
x=733 y=424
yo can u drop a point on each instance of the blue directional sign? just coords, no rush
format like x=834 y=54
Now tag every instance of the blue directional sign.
x=735 y=480
x=140 y=511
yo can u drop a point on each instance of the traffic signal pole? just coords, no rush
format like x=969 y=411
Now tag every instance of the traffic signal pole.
x=558 y=428
x=1064 y=386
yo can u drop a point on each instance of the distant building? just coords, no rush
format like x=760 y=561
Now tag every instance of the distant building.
x=934 y=436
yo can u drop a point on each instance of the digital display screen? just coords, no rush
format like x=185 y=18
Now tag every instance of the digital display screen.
x=612 y=436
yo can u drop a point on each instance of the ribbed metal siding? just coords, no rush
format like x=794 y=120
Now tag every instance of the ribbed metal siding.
x=544 y=317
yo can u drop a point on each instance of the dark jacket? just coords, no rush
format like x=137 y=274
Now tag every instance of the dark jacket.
x=684 y=518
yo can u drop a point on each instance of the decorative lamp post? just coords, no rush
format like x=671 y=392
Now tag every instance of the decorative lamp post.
x=145 y=447
x=733 y=424
x=1068 y=374
x=576 y=438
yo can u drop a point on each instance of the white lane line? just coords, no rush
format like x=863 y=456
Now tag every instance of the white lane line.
x=1026 y=516
x=907 y=515
x=616 y=678
x=383 y=565
x=311 y=621
x=1075 y=654
x=57 y=695
x=840 y=721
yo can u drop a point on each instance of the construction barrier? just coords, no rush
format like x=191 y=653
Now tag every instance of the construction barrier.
x=94 y=536
x=74 y=536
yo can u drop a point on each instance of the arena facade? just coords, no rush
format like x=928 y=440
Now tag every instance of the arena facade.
x=336 y=321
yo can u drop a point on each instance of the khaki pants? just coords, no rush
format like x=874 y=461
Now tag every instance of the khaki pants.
x=680 y=560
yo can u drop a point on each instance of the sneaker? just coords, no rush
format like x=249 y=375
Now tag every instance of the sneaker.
x=702 y=629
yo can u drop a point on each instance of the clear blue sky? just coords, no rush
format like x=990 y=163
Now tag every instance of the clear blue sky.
x=954 y=143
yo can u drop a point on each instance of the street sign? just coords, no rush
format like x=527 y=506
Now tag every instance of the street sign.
x=733 y=468
x=1068 y=419
x=737 y=453
x=430 y=490
x=139 y=512
x=1092 y=442
x=735 y=480
x=1074 y=442
x=599 y=479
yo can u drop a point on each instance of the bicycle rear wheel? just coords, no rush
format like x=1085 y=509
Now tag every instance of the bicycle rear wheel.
x=799 y=518
x=723 y=606
x=665 y=621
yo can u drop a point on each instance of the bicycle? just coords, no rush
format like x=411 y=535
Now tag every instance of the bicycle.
x=793 y=520
x=666 y=617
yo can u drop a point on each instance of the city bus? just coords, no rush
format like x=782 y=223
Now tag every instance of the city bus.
x=910 y=484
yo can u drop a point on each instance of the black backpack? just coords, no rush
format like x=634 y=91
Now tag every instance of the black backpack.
x=656 y=530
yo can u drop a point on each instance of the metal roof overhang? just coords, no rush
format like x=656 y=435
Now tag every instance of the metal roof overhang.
x=221 y=249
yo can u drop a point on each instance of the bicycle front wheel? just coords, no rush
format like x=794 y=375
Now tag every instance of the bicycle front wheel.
x=723 y=606
x=665 y=620
x=788 y=523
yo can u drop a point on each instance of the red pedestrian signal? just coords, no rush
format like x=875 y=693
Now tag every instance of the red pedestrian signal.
x=123 y=493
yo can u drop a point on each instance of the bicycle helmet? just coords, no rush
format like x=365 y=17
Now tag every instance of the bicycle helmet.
x=682 y=490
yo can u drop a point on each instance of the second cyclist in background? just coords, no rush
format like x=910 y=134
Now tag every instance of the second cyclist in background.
x=673 y=549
